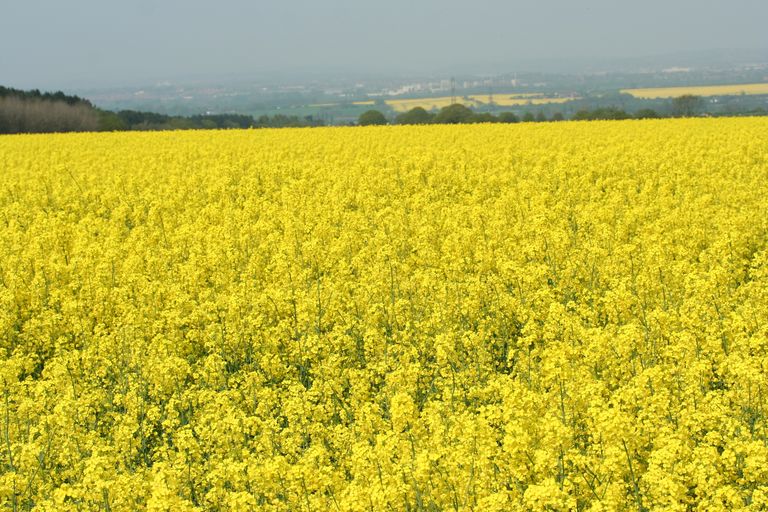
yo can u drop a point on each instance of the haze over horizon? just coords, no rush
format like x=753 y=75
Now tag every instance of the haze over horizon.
x=95 y=43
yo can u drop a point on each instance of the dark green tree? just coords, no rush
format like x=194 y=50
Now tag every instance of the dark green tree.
x=686 y=105
x=484 y=117
x=582 y=115
x=110 y=122
x=454 y=114
x=612 y=113
x=528 y=117
x=601 y=113
x=647 y=113
x=371 y=118
x=508 y=117
x=416 y=115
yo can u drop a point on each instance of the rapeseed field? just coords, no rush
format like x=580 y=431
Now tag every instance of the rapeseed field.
x=508 y=100
x=553 y=316
x=701 y=90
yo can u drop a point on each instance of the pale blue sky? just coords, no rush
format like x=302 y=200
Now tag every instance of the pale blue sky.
x=48 y=43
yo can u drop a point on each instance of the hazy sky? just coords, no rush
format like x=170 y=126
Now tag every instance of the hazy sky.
x=47 y=43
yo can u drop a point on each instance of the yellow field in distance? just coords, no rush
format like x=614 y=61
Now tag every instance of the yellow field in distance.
x=357 y=103
x=474 y=100
x=704 y=90
x=508 y=100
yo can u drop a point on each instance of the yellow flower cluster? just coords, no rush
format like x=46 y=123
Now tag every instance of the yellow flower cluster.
x=477 y=317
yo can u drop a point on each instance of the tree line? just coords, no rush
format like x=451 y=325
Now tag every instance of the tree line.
x=136 y=120
x=38 y=112
x=683 y=106
x=44 y=112
x=34 y=112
